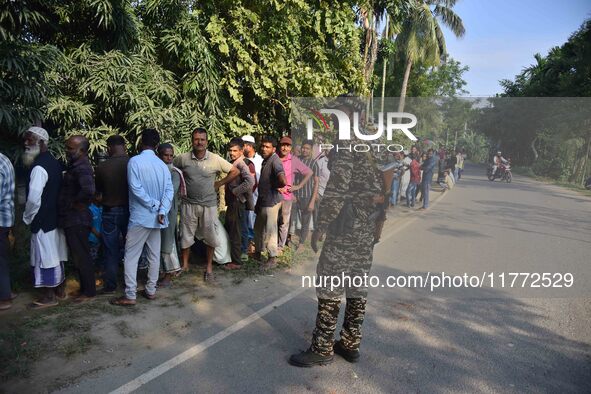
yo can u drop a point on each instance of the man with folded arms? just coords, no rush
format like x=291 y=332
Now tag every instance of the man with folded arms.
x=239 y=202
x=292 y=166
x=199 y=208
x=268 y=203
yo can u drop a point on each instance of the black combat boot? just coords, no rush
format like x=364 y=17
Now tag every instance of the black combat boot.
x=320 y=352
x=351 y=356
x=348 y=346
x=309 y=359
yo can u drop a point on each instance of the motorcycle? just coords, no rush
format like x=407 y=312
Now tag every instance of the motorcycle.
x=503 y=172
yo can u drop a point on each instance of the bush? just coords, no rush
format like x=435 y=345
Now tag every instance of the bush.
x=548 y=168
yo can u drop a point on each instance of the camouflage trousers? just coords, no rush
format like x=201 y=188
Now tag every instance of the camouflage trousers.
x=326 y=324
x=344 y=255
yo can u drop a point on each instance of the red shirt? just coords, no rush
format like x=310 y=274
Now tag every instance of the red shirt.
x=415 y=171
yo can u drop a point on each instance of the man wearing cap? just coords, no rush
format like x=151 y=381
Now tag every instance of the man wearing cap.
x=292 y=166
x=353 y=195
x=48 y=243
x=199 y=212
x=253 y=157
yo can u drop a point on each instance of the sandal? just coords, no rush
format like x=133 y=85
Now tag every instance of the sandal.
x=231 y=266
x=42 y=305
x=165 y=284
x=147 y=296
x=209 y=277
x=122 y=301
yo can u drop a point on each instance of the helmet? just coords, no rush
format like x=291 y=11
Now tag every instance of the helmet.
x=499 y=153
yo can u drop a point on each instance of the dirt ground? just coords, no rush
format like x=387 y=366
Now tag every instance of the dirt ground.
x=45 y=350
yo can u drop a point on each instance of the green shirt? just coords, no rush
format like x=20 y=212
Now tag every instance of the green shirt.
x=200 y=175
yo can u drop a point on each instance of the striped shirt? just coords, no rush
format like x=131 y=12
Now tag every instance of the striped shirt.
x=6 y=192
x=306 y=191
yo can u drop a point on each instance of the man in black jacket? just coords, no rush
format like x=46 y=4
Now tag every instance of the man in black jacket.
x=74 y=216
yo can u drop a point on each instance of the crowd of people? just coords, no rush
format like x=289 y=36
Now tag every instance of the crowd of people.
x=135 y=211
x=413 y=172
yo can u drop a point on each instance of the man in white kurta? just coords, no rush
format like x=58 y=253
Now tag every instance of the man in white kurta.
x=48 y=244
x=405 y=179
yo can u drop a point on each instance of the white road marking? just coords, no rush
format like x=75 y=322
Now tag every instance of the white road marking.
x=200 y=347
x=204 y=345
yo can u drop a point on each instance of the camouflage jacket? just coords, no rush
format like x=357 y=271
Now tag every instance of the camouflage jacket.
x=354 y=176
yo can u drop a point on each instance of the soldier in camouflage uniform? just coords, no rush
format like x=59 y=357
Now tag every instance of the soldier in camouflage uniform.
x=347 y=216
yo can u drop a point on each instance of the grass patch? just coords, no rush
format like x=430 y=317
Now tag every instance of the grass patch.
x=36 y=322
x=65 y=325
x=78 y=345
x=175 y=300
x=249 y=268
x=18 y=350
x=106 y=308
x=527 y=171
x=22 y=344
x=125 y=330
x=574 y=187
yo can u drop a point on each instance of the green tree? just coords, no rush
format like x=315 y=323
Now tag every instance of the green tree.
x=549 y=144
x=100 y=67
x=421 y=38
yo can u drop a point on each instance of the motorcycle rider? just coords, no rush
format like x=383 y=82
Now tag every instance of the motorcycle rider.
x=498 y=159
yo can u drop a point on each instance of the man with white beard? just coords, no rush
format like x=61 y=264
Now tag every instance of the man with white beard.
x=48 y=243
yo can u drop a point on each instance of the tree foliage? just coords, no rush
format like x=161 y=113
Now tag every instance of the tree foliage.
x=555 y=140
x=100 y=67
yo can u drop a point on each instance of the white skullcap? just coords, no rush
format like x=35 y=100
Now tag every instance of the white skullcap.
x=39 y=132
x=248 y=138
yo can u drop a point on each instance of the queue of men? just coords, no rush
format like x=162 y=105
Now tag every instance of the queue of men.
x=140 y=200
x=156 y=205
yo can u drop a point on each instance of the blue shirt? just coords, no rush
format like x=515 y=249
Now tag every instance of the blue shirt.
x=150 y=190
x=6 y=192
x=97 y=223
x=428 y=167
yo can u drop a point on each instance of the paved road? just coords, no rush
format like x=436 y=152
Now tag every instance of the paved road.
x=414 y=341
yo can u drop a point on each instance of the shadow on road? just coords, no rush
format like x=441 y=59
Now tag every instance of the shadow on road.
x=435 y=344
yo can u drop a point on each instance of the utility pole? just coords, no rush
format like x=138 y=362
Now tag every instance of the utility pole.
x=385 y=65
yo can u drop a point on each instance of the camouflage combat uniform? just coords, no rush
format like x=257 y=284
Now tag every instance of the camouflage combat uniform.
x=354 y=180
